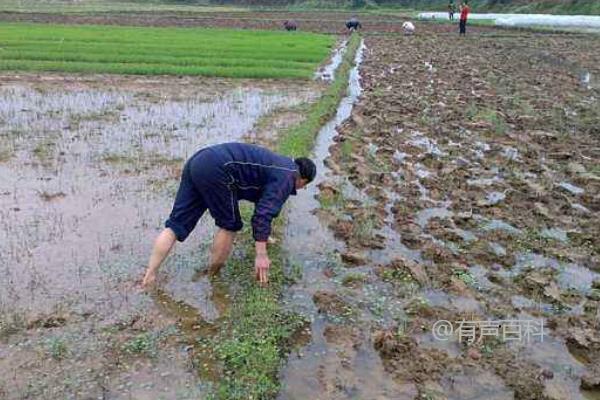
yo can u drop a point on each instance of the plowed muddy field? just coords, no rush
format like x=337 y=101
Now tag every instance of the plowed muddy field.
x=463 y=190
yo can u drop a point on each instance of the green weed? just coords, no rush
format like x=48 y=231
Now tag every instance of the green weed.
x=417 y=305
x=364 y=227
x=346 y=150
x=499 y=125
x=11 y=323
x=143 y=343
x=465 y=276
x=56 y=348
x=332 y=201
x=147 y=343
x=354 y=279
x=396 y=276
x=257 y=331
x=44 y=150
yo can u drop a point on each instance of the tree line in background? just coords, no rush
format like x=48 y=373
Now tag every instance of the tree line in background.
x=524 y=6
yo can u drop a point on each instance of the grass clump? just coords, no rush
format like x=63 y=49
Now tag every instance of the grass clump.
x=147 y=343
x=56 y=348
x=495 y=119
x=254 y=341
x=11 y=323
x=161 y=51
x=354 y=279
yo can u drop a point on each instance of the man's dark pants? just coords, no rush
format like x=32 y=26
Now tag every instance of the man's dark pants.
x=204 y=185
x=463 y=26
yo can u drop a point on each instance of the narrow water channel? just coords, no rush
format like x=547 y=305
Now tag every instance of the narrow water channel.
x=329 y=366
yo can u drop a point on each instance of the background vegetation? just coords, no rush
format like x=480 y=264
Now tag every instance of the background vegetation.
x=518 y=6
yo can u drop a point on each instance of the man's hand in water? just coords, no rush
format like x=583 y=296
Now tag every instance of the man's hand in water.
x=261 y=267
x=149 y=279
x=262 y=262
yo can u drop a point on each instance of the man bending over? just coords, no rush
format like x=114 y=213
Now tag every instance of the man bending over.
x=216 y=178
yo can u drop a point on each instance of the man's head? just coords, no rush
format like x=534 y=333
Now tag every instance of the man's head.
x=307 y=170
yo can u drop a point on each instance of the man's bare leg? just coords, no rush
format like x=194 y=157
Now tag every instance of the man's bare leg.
x=162 y=247
x=222 y=245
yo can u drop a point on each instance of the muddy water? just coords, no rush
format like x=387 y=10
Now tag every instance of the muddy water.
x=343 y=366
x=87 y=177
x=89 y=168
x=327 y=73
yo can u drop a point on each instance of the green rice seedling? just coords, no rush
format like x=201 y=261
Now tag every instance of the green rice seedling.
x=161 y=51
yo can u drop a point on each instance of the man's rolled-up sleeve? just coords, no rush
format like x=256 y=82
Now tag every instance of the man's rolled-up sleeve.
x=274 y=195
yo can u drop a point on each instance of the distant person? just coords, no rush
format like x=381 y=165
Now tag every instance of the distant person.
x=464 y=14
x=451 y=10
x=409 y=28
x=353 y=24
x=215 y=179
x=290 y=25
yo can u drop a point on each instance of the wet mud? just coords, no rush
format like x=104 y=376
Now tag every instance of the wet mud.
x=472 y=168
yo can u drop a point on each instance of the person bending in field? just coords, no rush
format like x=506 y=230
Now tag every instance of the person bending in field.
x=290 y=25
x=464 y=14
x=216 y=178
x=353 y=24
x=451 y=10
x=409 y=28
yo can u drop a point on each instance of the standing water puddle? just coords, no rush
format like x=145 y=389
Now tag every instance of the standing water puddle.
x=327 y=73
x=339 y=365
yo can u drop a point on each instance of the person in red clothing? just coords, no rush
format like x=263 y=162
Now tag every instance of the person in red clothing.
x=464 y=13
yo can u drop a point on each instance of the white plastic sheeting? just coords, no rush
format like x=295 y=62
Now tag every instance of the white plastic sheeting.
x=558 y=21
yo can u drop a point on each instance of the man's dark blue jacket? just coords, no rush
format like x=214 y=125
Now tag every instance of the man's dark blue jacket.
x=217 y=177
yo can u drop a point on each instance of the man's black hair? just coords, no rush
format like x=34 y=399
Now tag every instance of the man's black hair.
x=307 y=168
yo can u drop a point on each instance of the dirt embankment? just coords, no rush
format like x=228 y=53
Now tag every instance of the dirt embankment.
x=467 y=181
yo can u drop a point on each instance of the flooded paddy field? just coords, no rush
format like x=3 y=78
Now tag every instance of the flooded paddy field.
x=463 y=187
x=458 y=181
x=89 y=167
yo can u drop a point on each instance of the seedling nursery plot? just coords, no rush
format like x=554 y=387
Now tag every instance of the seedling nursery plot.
x=161 y=51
